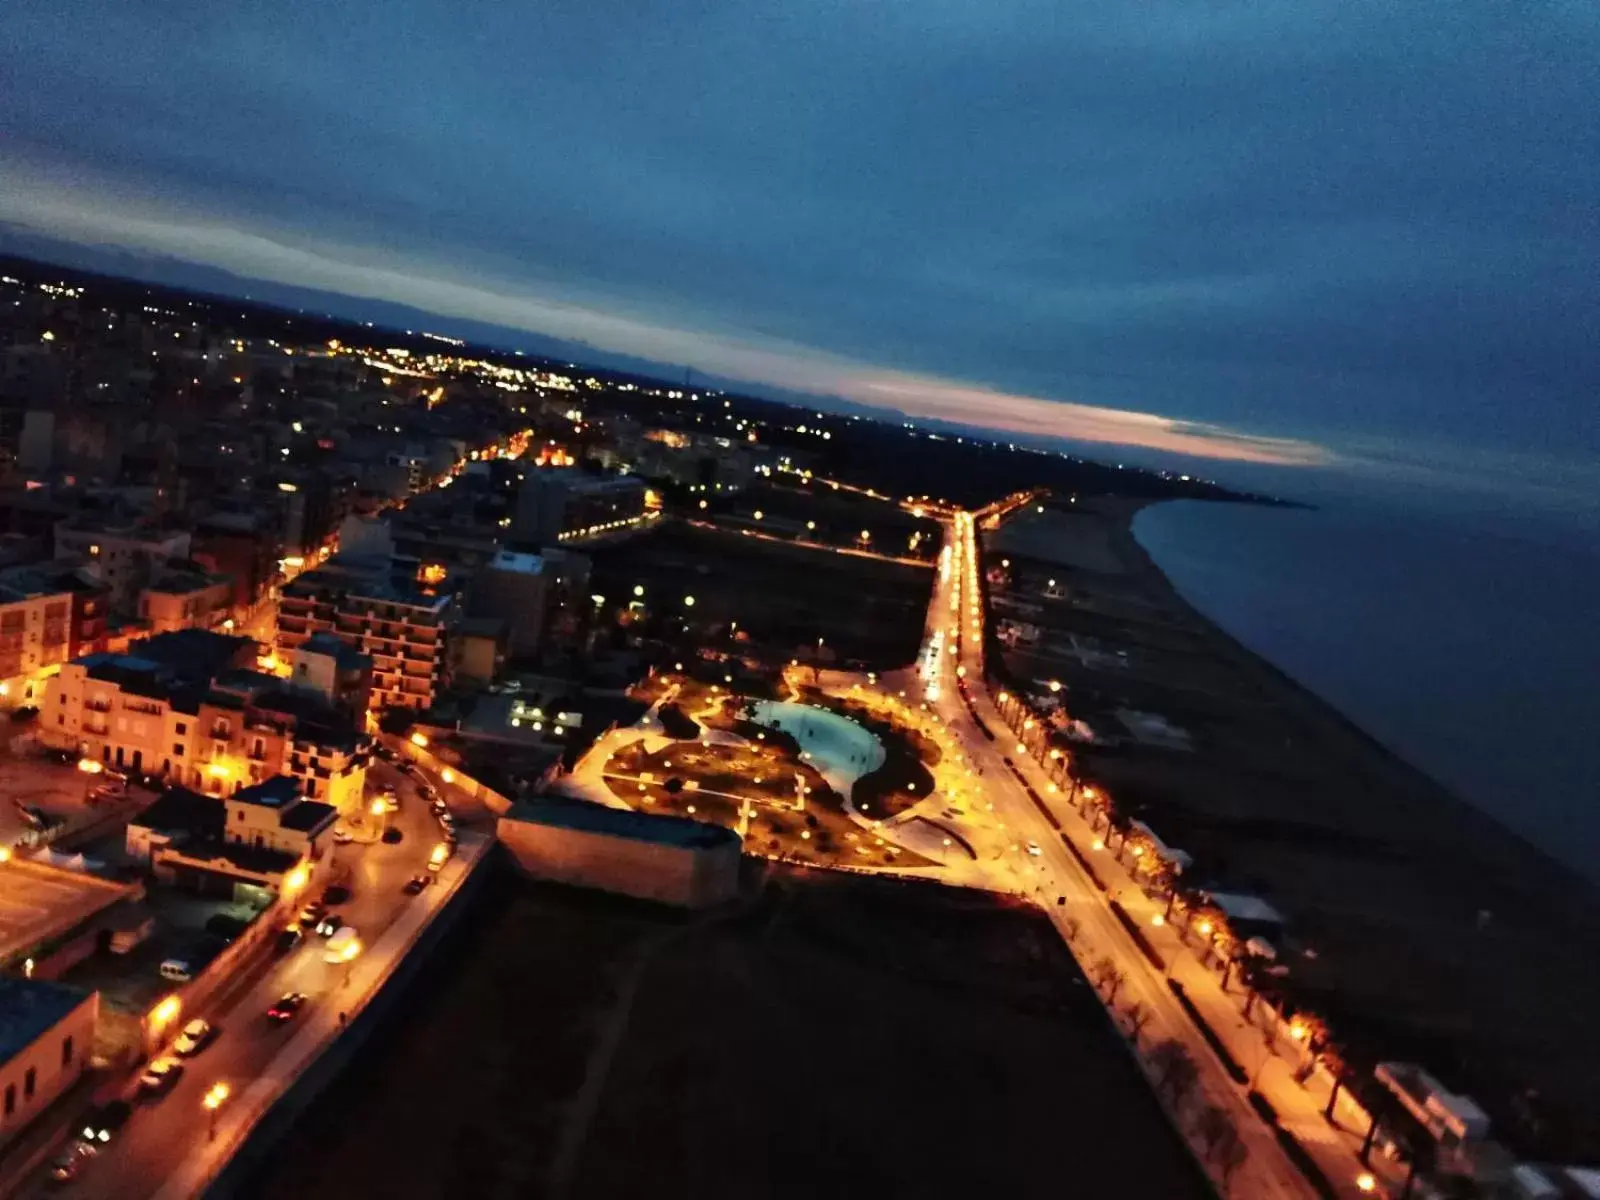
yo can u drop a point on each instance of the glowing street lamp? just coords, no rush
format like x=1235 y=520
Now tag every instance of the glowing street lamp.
x=348 y=957
x=295 y=880
x=1366 y=1181
x=420 y=740
x=163 y=1015
x=688 y=601
x=91 y=766
x=216 y=1096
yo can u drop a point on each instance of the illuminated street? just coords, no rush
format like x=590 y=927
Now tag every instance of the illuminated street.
x=167 y=1129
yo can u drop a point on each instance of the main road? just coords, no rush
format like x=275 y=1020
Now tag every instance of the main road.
x=163 y=1131
x=953 y=659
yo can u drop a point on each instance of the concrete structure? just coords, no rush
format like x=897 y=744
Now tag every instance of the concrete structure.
x=125 y=554
x=340 y=674
x=254 y=838
x=49 y=614
x=370 y=607
x=671 y=860
x=562 y=504
x=180 y=706
x=52 y=915
x=46 y=1033
x=478 y=649
x=186 y=599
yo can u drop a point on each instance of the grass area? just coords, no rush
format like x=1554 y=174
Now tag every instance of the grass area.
x=676 y=723
x=845 y=1035
x=905 y=778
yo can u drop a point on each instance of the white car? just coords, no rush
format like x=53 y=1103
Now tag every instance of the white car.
x=194 y=1037
x=1033 y=849
x=342 y=835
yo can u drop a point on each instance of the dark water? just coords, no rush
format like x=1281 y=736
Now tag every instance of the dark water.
x=1473 y=654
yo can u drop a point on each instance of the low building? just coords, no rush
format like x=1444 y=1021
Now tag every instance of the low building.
x=46 y=1034
x=671 y=860
x=186 y=599
x=53 y=917
x=242 y=847
x=521 y=589
x=340 y=674
x=49 y=614
x=478 y=649
x=563 y=504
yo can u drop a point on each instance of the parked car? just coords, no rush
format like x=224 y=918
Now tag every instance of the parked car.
x=177 y=970
x=415 y=884
x=391 y=837
x=290 y=937
x=285 y=1008
x=160 y=1075
x=194 y=1038
x=335 y=893
x=342 y=835
x=328 y=925
x=311 y=914
x=1033 y=849
x=101 y=1122
x=67 y=1167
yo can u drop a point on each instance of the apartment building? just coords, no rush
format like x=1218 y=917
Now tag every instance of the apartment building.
x=370 y=607
x=186 y=707
x=125 y=554
x=49 y=614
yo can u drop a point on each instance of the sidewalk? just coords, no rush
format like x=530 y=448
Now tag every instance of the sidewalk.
x=1259 y=1045
x=240 y=1115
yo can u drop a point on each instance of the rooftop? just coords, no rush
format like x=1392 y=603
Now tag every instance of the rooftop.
x=621 y=822
x=309 y=816
x=42 y=579
x=345 y=655
x=29 y=1008
x=278 y=792
x=39 y=902
x=511 y=560
x=180 y=810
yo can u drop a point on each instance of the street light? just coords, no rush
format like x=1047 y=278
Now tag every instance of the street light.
x=214 y=1099
x=688 y=601
x=348 y=957
x=295 y=880
x=1366 y=1182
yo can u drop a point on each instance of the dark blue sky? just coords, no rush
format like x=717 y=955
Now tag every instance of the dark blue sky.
x=1317 y=231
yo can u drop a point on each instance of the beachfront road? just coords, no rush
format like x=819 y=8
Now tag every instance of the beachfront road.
x=955 y=606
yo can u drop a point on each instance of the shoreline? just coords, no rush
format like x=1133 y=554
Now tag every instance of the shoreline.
x=1136 y=556
x=1418 y=926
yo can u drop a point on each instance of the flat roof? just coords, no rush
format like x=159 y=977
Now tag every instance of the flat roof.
x=278 y=792
x=565 y=813
x=308 y=816
x=39 y=902
x=29 y=1008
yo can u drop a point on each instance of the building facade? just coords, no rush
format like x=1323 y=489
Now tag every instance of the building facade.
x=46 y=1035
x=125 y=555
x=399 y=626
x=49 y=614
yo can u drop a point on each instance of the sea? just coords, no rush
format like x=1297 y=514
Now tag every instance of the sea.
x=1473 y=652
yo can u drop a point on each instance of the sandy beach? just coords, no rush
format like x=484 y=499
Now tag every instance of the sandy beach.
x=1417 y=925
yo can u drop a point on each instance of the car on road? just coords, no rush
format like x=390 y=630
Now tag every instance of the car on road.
x=391 y=837
x=160 y=1075
x=329 y=925
x=66 y=1167
x=1033 y=849
x=335 y=893
x=311 y=914
x=415 y=884
x=289 y=939
x=342 y=835
x=194 y=1037
x=101 y=1122
x=285 y=1007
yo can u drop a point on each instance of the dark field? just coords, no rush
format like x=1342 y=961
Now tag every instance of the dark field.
x=783 y=597
x=842 y=1036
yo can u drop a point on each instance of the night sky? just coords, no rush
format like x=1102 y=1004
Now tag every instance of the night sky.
x=1322 y=231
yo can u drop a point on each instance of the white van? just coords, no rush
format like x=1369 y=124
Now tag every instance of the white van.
x=177 y=970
